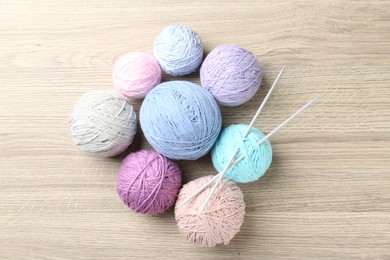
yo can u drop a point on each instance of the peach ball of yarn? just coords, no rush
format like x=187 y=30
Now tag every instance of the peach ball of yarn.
x=135 y=74
x=221 y=219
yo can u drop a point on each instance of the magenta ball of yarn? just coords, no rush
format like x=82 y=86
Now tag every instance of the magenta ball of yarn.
x=148 y=182
x=135 y=74
x=231 y=74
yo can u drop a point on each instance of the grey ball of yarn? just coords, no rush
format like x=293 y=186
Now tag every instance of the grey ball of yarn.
x=103 y=123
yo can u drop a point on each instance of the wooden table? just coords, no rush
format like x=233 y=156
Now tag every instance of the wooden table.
x=327 y=193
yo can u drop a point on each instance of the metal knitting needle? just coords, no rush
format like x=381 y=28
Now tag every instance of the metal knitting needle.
x=222 y=173
x=245 y=135
x=278 y=127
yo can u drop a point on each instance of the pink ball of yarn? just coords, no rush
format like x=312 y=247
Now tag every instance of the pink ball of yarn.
x=135 y=74
x=221 y=219
x=231 y=74
x=148 y=182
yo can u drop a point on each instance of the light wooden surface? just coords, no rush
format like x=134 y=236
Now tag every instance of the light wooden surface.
x=327 y=193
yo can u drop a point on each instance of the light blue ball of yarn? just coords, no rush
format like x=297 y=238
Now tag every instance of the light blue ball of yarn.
x=257 y=159
x=179 y=50
x=180 y=119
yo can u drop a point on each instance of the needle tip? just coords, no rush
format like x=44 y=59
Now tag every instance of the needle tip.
x=281 y=71
x=315 y=99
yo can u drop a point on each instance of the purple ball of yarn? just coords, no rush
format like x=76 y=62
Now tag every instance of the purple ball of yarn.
x=231 y=74
x=148 y=182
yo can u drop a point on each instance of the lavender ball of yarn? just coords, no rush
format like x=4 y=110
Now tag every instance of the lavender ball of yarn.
x=257 y=158
x=148 y=182
x=103 y=123
x=179 y=50
x=180 y=120
x=232 y=74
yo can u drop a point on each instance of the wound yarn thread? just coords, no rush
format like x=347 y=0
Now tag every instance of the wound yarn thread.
x=219 y=222
x=257 y=159
x=103 y=123
x=179 y=50
x=148 y=182
x=135 y=74
x=180 y=120
x=232 y=74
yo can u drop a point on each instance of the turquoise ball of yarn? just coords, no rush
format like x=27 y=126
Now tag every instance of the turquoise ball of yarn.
x=257 y=159
x=179 y=50
x=180 y=119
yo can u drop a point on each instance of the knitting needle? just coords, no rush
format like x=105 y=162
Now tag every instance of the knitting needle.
x=245 y=135
x=222 y=173
x=278 y=127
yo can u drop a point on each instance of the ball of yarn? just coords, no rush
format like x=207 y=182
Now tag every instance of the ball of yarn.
x=221 y=219
x=232 y=74
x=180 y=120
x=179 y=50
x=103 y=123
x=148 y=182
x=257 y=159
x=135 y=74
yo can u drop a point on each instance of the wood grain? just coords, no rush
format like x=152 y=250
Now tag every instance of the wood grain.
x=327 y=193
